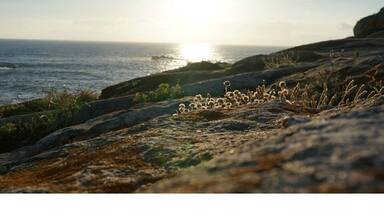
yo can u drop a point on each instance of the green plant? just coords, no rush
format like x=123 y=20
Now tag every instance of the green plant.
x=47 y=115
x=279 y=60
x=8 y=130
x=163 y=92
x=19 y=134
x=54 y=100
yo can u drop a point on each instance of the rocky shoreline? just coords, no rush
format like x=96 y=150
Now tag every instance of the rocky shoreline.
x=119 y=144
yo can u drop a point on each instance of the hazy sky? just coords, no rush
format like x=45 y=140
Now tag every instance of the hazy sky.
x=259 y=22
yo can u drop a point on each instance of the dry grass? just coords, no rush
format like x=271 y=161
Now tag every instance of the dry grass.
x=280 y=60
x=305 y=97
x=53 y=100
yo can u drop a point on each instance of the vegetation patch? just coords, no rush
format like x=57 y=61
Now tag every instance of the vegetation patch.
x=302 y=97
x=53 y=112
x=54 y=100
x=163 y=92
x=280 y=60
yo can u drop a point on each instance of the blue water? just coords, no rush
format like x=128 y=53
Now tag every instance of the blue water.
x=61 y=65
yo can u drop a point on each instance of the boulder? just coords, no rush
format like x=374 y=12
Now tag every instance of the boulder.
x=334 y=153
x=193 y=72
x=379 y=34
x=257 y=62
x=92 y=128
x=369 y=25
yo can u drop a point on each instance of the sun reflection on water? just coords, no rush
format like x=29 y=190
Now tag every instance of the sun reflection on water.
x=197 y=52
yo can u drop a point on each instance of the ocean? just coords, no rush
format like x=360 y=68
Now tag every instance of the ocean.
x=29 y=68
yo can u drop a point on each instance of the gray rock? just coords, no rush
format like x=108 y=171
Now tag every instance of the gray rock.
x=257 y=63
x=3 y=169
x=106 y=123
x=378 y=34
x=244 y=81
x=340 y=153
x=231 y=126
x=369 y=25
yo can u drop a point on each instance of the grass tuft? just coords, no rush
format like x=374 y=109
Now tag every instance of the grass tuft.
x=308 y=97
x=163 y=92
x=48 y=114
x=53 y=100
x=280 y=60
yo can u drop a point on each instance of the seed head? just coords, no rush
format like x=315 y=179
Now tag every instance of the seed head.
x=283 y=85
x=220 y=101
x=198 y=98
x=227 y=83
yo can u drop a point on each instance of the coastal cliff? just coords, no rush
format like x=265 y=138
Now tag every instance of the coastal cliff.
x=305 y=119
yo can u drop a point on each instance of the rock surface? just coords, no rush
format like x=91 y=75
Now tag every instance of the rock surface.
x=370 y=25
x=338 y=151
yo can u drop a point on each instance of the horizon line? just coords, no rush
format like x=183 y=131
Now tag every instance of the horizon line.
x=143 y=42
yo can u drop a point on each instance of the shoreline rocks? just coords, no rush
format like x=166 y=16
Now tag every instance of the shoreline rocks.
x=120 y=146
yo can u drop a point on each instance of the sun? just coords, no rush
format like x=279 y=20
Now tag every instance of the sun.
x=196 y=11
x=196 y=21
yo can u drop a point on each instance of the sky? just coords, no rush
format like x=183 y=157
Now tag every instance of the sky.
x=243 y=22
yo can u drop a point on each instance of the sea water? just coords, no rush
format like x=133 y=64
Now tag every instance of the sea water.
x=42 y=65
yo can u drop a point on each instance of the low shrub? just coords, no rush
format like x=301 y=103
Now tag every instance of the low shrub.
x=54 y=100
x=57 y=108
x=163 y=92
x=280 y=60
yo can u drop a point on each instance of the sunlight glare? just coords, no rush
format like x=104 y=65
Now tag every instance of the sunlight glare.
x=196 y=52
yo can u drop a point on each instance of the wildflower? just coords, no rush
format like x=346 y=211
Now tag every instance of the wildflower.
x=283 y=85
x=228 y=105
x=245 y=98
x=230 y=95
x=227 y=83
x=220 y=101
x=182 y=110
x=211 y=103
x=198 y=98
x=285 y=92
